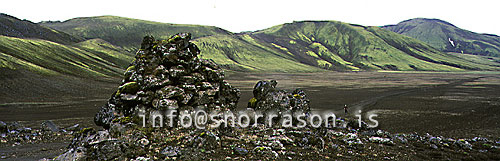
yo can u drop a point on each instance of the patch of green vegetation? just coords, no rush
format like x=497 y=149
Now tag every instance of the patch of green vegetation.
x=311 y=53
x=324 y=64
x=252 y=102
x=127 y=119
x=130 y=88
x=280 y=47
x=130 y=68
x=85 y=130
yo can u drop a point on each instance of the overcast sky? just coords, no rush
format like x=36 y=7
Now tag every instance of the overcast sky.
x=248 y=15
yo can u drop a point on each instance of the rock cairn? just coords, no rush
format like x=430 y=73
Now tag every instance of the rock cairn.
x=165 y=75
x=168 y=75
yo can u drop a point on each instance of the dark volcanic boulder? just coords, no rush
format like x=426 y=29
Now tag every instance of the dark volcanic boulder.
x=269 y=99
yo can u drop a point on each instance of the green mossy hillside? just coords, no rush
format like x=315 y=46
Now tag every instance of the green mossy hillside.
x=92 y=58
x=447 y=37
x=127 y=32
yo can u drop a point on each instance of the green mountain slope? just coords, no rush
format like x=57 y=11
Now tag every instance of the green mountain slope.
x=332 y=45
x=225 y=48
x=89 y=59
x=14 y=27
x=127 y=32
x=293 y=47
x=242 y=53
x=447 y=37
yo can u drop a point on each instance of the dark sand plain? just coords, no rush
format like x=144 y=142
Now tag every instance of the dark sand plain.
x=459 y=105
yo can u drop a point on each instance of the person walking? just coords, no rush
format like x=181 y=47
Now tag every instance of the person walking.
x=345 y=109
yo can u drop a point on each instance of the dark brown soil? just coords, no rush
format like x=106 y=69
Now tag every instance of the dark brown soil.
x=462 y=105
x=446 y=104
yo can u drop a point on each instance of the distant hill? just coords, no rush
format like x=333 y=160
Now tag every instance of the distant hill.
x=29 y=47
x=88 y=59
x=14 y=27
x=332 y=45
x=305 y=46
x=447 y=37
x=243 y=53
x=127 y=32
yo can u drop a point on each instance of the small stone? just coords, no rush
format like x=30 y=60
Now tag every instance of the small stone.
x=475 y=139
x=49 y=125
x=170 y=151
x=177 y=71
x=241 y=151
x=463 y=144
x=144 y=141
x=275 y=154
x=189 y=87
x=170 y=91
x=141 y=159
x=128 y=97
x=165 y=104
x=209 y=92
x=276 y=145
x=435 y=140
x=186 y=98
x=380 y=140
x=380 y=133
x=3 y=127
x=75 y=127
x=188 y=79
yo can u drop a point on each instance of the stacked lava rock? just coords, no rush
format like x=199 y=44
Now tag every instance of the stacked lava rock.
x=168 y=75
x=270 y=100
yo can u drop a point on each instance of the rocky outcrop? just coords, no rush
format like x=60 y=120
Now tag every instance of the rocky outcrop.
x=270 y=100
x=168 y=75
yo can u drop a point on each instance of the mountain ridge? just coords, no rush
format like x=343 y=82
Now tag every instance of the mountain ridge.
x=300 y=46
x=349 y=46
x=340 y=47
x=14 y=27
x=447 y=37
x=127 y=32
x=30 y=47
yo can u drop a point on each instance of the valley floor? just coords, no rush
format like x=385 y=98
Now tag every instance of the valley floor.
x=460 y=105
